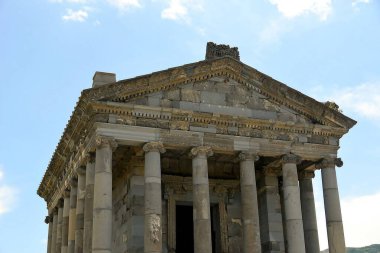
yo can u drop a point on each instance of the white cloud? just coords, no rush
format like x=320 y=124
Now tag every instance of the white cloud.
x=124 y=4
x=361 y=220
x=179 y=9
x=355 y=2
x=7 y=195
x=79 y=15
x=295 y=8
x=359 y=214
x=363 y=99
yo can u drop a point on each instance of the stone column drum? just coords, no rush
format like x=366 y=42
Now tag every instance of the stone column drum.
x=102 y=223
x=65 y=221
x=271 y=226
x=201 y=200
x=335 y=233
x=81 y=192
x=250 y=212
x=49 y=221
x=54 y=231
x=309 y=216
x=89 y=203
x=293 y=214
x=72 y=216
x=59 y=227
x=153 y=198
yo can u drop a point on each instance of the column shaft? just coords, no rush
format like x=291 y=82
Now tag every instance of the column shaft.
x=102 y=223
x=65 y=221
x=89 y=204
x=54 y=232
x=49 y=221
x=250 y=212
x=335 y=233
x=271 y=225
x=72 y=217
x=201 y=200
x=308 y=213
x=153 y=198
x=293 y=214
x=59 y=228
x=80 y=209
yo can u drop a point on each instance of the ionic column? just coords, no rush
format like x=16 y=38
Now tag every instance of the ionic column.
x=89 y=203
x=250 y=211
x=54 y=232
x=102 y=223
x=65 y=221
x=49 y=221
x=293 y=214
x=72 y=216
x=271 y=226
x=81 y=191
x=335 y=233
x=201 y=200
x=153 y=202
x=309 y=216
x=58 y=242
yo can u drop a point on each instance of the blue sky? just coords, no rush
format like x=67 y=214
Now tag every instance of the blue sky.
x=50 y=49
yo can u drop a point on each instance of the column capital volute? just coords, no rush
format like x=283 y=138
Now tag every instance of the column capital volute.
x=329 y=163
x=306 y=174
x=291 y=158
x=48 y=219
x=81 y=170
x=248 y=155
x=105 y=141
x=156 y=146
x=66 y=193
x=201 y=151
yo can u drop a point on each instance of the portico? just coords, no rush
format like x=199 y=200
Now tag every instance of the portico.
x=219 y=139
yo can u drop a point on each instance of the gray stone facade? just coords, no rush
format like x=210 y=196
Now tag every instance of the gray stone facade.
x=207 y=157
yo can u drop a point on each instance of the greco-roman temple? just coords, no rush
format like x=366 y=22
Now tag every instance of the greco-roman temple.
x=208 y=157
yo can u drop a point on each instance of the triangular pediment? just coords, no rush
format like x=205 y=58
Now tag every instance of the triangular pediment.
x=222 y=86
x=221 y=96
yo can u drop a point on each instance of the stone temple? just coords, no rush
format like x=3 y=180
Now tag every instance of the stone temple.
x=208 y=157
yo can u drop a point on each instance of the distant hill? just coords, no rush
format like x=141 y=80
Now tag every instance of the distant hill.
x=374 y=248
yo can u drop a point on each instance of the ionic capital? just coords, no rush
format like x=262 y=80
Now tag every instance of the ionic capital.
x=156 y=146
x=48 y=219
x=81 y=170
x=306 y=174
x=290 y=158
x=103 y=141
x=329 y=163
x=201 y=151
x=244 y=156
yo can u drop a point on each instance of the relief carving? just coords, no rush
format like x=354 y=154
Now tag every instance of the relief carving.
x=154 y=228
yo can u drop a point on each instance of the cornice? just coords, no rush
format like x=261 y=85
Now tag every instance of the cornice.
x=88 y=105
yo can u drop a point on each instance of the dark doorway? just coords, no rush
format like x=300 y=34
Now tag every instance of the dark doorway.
x=184 y=229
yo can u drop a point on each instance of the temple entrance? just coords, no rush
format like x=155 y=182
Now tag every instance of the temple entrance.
x=185 y=229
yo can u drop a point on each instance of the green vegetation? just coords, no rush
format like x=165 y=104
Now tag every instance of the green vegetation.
x=374 y=248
